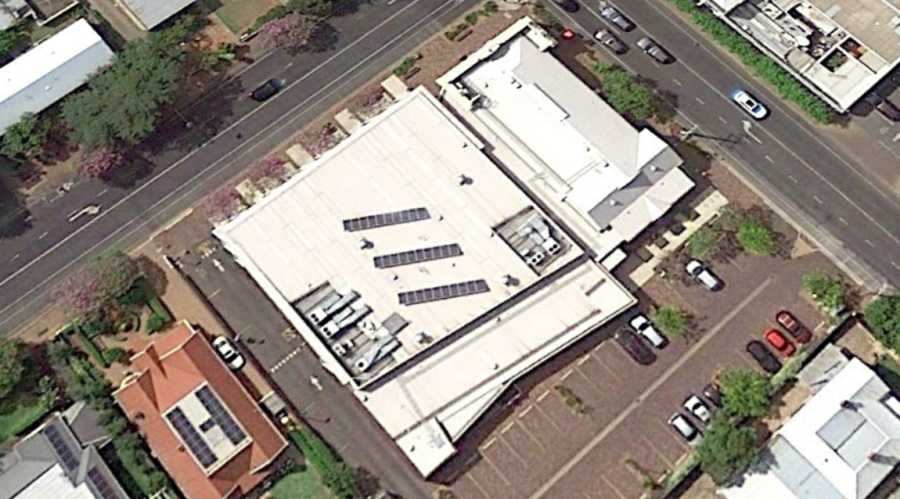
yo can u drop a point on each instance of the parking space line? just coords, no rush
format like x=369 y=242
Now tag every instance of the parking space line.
x=507 y=427
x=894 y=264
x=661 y=455
x=526 y=411
x=488 y=444
x=532 y=436
x=496 y=469
x=563 y=470
x=723 y=120
x=590 y=382
x=676 y=82
x=870 y=243
x=699 y=100
x=478 y=486
x=584 y=359
x=214 y=293
x=613 y=487
x=769 y=159
x=566 y=374
x=543 y=395
x=514 y=453
x=548 y=418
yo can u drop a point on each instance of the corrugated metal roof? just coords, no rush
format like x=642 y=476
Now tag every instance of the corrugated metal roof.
x=153 y=12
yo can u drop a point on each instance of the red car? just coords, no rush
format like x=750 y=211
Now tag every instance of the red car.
x=568 y=34
x=779 y=342
x=790 y=323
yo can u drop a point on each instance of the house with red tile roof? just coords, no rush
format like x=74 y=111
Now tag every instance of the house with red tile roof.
x=199 y=420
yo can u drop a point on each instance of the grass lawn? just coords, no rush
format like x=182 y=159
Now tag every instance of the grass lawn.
x=300 y=485
x=238 y=15
x=18 y=414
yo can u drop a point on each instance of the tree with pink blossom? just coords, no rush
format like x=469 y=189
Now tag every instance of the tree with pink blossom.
x=104 y=278
x=270 y=167
x=102 y=162
x=292 y=32
x=222 y=203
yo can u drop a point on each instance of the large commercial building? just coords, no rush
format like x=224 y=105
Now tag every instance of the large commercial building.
x=423 y=274
x=838 y=48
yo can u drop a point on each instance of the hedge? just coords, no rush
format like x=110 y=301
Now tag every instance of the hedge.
x=91 y=348
x=336 y=475
x=760 y=64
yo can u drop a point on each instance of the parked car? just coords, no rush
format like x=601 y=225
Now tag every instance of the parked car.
x=654 y=50
x=700 y=273
x=645 y=328
x=616 y=18
x=790 y=324
x=228 y=352
x=610 y=41
x=638 y=351
x=683 y=426
x=695 y=405
x=267 y=90
x=888 y=109
x=763 y=357
x=713 y=394
x=779 y=342
x=567 y=5
x=568 y=34
x=749 y=104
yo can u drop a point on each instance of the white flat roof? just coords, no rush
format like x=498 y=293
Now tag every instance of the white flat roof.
x=412 y=156
x=54 y=483
x=153 y=12
x=50 y=71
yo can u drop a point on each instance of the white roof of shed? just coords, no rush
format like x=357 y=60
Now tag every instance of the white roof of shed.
x=154 y=12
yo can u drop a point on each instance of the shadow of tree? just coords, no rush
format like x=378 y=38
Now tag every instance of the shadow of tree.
x=15 y=218
x=153 y=273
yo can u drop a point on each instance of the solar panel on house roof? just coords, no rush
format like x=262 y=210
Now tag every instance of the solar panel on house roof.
x=443 y=292
x=385 y=219
x=101 y=485
x=63 y=451
x=222 y=418
x=417 y=256
x=191 y=437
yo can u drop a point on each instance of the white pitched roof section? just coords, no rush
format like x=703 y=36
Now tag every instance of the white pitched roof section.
x=150 y=13
x=576 y=149
x=43 y=75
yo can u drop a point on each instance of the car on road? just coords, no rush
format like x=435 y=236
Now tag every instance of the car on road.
x=749 y=104
x=267 y=90
x=616 y=18
x=779 y=342
x=633 y=345
x=654 y=50
x=568 y=34
x=610 y=41
x=702 y=275
x=567 y=5
x=888 y=109
x=768 y=362
x=683 y=426
x=228 y=352
x=790 y=324
x=713 y=394
x=645 y=328
x=695 y=405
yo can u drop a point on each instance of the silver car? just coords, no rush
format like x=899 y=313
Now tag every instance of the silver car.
x=616 y=18
x=654 y=50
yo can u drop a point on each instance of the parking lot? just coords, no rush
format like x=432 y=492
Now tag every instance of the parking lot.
x=543 y=449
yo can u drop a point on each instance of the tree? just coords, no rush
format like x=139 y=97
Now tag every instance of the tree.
x=26 y=137
x=103 y=279
x=745 y=393
x=756 y=238
x=270 y=167
x=102 y=162
x=702 y=242
x=672 y=320
x=321 y=9
x=883 y=316
x=122 y=103
x=827 y=291
x=9 y=40
x=11 y=366
x=292 y=32
x=626 y=93
x=726 y=449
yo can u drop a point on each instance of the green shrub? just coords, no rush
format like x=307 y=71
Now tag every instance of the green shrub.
x=155 y=323
x=96 y=326
x=91 y=348
x=136 y=296
x=726 y=449
x=756 y=237
x=672 y=320
x=489 y=7
x=472 y=18
x=116 y=354
x=336 y=475
x=405 y=66
x=159 y=309
x=883 y=316
x=827 y=291
x=703 y=242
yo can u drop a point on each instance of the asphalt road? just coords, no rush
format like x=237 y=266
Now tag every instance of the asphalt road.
x=228 y=132
x=853 y=218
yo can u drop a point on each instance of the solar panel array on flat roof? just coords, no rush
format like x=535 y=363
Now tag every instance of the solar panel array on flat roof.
x=417 y=256
x=222 y=418
x=443 y=292
x=191 y=437
x=101 y=484
x=62 y=449
x=385 y=219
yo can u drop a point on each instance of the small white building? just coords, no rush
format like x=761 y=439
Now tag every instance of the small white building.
x=148 y=14
x=13 y=11
x=48 y=72
x=841 y=444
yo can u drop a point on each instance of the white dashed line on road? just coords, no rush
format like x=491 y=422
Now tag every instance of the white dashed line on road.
x=699 y=100
x=15 y=257
x=677 y=82
x=284 y=361
x=817 y=199
x=769 y=159
x=870 y=243
x=894 y=264
x=43 y=235
x=104 y=191
x=843 y=221
x=723 y=120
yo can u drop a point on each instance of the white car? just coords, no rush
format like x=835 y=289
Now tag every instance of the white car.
x=752 y=106
x=695 y=406
x=645 y=328
x=702 y=275
x=684 y=427
x=228 y=352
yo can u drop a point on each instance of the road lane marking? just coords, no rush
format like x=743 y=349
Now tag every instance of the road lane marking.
x=566 y=468
x=769 y=159
x=843 y=221
x=800 y=124
x=43 y=235
x=676 y=82
x=723 y=120
x=104 y=191
x=894 y=264
x=281 y=363
x=870 y=243
x=817 y=199
x=793 y=179
x=425 y=20
x=16 y=257
x=699 y=100
x=566 y=374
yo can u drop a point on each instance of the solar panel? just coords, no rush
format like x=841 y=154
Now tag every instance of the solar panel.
x=191 y=437
x=385 y=219
x=101 y=485
x=222 y=418
x=62 y=449
x=443 y=292
x=417 y=256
